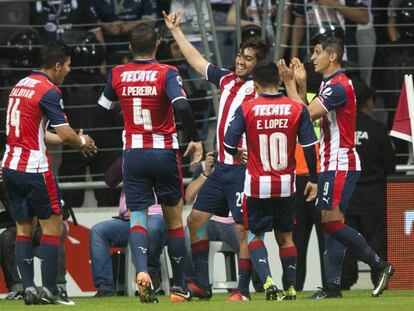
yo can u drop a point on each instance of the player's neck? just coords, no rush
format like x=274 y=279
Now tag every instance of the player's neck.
x=331 y=70
x=145 y=57
x=49 y=73
x=268 y=90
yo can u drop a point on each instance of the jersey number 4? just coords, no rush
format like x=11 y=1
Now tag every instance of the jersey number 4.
x=275 y=148
x=13 y=117
x=141 y=116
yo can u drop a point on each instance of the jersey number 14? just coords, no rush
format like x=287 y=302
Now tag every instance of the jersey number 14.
x=13 y=117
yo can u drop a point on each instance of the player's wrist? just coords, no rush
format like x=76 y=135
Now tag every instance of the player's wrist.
x=205 y=174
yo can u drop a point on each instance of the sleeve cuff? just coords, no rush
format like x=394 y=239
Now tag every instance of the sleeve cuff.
x=105 y=102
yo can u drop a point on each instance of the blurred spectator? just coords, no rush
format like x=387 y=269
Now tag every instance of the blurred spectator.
x=252 y=13
x=59 y=19
x=341 y=16
x=115 y=233
x=81 y=92
x=366 y=40
x=22 y=52
x=367 y=208
x=226 y=40
x=393 y=21
x=120 y=17
x=13 y=13
x=189 y=25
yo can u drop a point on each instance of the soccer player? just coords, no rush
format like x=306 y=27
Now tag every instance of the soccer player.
x=223 y=189
x=335 y=104
x=271 y=124
x=147 y=92
x=28 y=179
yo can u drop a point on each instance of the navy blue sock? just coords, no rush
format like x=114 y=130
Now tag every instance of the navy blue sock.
x=333 y=259
x=259 y=258
x=49 y=258
x=138 y=243
x=199 y=251
x=24 y=256
x=177 y=252
x=354 y=242
x=245 y=273
x=288 y=257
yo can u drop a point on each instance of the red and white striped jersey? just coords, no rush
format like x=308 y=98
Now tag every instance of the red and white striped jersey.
x=271 y=123
x=232 y=95
x=32 y=101
x=146 y=90
x=337 y=140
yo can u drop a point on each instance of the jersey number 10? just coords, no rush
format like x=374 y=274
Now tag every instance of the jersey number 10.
x=274 y=145
x=141 y=116
x=13 y=117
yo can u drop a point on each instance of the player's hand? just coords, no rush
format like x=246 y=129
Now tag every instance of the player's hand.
x=197 y=149
x=286 y=73
x=210 y=162
x=89 y=149
x=172 y=20
x=299 y=71
x=311 y=191
x=241 y=155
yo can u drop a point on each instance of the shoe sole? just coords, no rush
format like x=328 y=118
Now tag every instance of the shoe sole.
x=383 y=283
x=174 y=298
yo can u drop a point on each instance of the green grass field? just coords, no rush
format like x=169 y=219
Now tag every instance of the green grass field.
x=352 y=301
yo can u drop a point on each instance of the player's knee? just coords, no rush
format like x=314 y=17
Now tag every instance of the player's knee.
x=284 y=239
x=333 y=226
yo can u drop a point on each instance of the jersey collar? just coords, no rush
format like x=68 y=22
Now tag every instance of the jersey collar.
x=38 y=72
x=267 y=95
x=334 y=74
x=143 y=61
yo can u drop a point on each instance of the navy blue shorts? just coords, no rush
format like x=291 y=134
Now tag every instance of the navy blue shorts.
x=147 y=171
x=32 y=194
x=265 y=215
x=222 y=192
x=335 y=189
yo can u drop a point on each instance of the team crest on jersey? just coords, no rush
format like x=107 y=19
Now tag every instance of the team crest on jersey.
x=249 y=90
x=179 y=80
x=327 y=92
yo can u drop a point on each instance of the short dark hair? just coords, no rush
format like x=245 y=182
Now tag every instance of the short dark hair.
x=143 y=39
x=331 y=42
x=265 y=73
x=256 y=44
x=52 y=53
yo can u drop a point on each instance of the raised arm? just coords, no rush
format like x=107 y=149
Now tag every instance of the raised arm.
x=193 y=57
